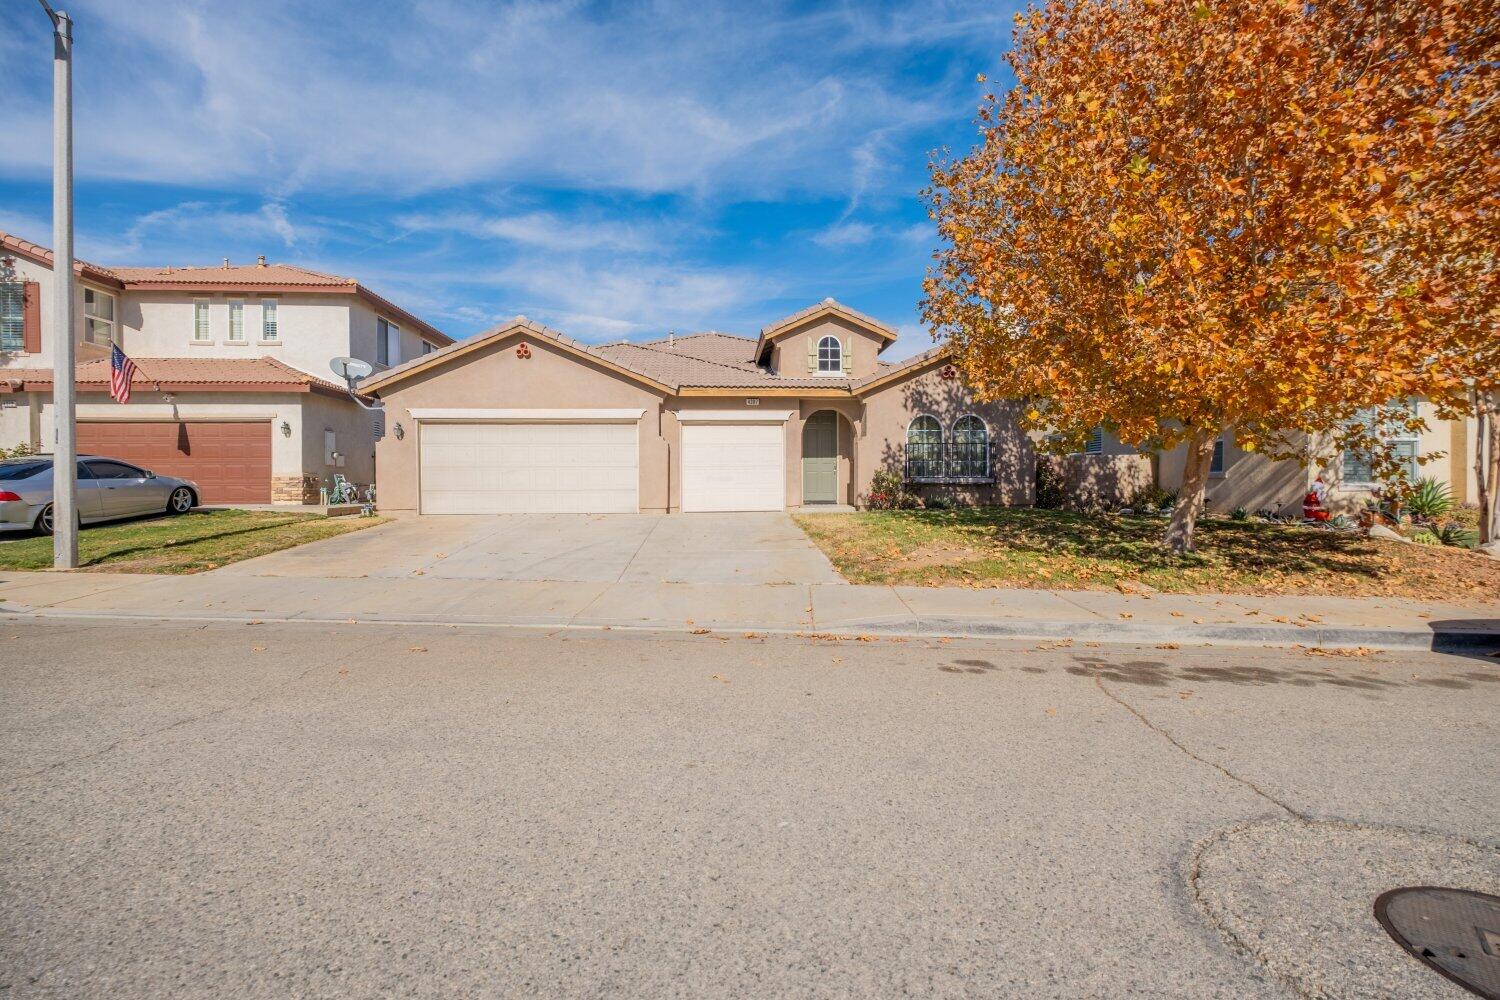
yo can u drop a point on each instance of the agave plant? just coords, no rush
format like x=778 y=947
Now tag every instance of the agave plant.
x=1449 y=533
x=1429 y=499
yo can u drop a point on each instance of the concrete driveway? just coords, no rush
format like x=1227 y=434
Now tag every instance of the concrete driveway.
x=763 y=548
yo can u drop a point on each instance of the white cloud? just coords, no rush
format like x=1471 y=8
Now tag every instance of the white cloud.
x=616 y=301
x=845 y=234
x=545 y=230
x=673 y=96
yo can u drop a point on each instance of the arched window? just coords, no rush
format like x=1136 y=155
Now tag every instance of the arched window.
x=924 y=448
x=971 y=448
x=830 y=356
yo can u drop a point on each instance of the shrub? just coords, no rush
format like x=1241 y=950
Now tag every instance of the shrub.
x=1051 y=494
x=1429 y=499
x=19 y=451
x=888 y=492
x=1239 y=514
x=1426 y=538
x=938 y=503
x=1153 y=497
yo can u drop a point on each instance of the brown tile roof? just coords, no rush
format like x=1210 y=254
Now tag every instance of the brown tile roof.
x=182 y=375
x=232 y=275
x=36 y=252
x=692 y=361
x=915 y=361
x=228 y=277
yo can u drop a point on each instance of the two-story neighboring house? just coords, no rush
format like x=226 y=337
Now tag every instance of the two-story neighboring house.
x=233 y=387
x=523 y=418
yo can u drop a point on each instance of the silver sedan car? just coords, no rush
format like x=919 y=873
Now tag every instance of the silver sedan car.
x=107 y=489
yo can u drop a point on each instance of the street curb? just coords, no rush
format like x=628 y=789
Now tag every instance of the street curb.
x=1117 y=633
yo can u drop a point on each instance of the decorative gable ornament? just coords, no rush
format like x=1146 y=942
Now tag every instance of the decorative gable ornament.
x=948 y=374
x=523 y=350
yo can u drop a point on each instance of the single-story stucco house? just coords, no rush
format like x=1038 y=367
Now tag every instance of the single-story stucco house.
x=525 y=419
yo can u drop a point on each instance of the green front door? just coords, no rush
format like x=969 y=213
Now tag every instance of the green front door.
x=820 y=458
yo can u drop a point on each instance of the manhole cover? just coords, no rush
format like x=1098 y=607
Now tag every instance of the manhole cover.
x=1454 y=931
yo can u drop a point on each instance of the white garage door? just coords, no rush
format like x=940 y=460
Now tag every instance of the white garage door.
x=522 y=468
x=733 y=467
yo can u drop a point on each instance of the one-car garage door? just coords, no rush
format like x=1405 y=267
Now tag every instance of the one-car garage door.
x=527 y=468
x=229 y=460
x=733 y=467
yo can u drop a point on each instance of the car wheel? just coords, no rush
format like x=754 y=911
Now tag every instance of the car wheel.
x=44 y=521
x=181 y=501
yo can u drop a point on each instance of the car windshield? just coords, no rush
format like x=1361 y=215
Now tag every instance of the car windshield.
x=15 y=469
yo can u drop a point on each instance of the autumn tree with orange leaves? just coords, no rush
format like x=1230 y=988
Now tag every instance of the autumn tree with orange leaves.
x=1191 y=216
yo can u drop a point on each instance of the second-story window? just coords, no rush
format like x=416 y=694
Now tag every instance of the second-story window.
x=236 y=321
x=12 y=316
x=387 y=342
x=98 y=317
x=268 y=327
x=201 y=332
x=830 y=356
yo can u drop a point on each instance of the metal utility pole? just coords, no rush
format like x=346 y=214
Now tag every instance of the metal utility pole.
x=65 y=450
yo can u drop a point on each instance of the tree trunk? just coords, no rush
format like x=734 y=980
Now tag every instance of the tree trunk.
x=1489 y=511
x=1481 y=478
x=1199 y=458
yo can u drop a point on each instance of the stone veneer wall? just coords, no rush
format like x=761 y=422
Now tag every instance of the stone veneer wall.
x=295 y=489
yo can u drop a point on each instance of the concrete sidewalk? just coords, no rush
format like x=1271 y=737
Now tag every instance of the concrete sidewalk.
x=832 y=609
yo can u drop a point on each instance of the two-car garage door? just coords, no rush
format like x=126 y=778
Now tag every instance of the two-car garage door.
x=523 y=468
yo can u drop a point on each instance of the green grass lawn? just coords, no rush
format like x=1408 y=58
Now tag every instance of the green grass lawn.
x=192 y=543
x=1054 y=549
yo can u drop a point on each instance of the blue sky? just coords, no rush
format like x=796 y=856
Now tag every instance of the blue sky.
x=614 y=170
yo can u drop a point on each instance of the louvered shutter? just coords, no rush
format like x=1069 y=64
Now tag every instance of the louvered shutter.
x=846 y=354
x=812 y=355
x=31 y=318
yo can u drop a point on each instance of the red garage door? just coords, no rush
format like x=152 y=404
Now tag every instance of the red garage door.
x=229 y=460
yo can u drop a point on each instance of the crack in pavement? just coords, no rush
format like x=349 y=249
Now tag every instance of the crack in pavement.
x=151 y=734
x=1246 y=782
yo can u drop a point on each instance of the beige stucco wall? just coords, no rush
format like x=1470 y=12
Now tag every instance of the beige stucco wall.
x=26 y=270
x=890 y=409
x=494 y=377
x=789 y=350
x=312 y=329
x=1255 y=482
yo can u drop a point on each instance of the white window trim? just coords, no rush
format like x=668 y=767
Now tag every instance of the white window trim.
x=112 y=324
x=275 y=305
x=919 y=416
x=208 y=322
x=229 y=337
x=838 y=359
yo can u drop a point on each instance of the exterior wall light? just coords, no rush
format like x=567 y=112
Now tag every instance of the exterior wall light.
x=399 y=431
x=286 y=429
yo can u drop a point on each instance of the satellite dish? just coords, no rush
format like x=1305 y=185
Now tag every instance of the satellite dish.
x=350 y=369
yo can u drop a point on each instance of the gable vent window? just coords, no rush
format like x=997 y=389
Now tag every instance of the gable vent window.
x=1095 y=443
x=830 y=356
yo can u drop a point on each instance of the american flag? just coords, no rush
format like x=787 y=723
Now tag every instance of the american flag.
x=121 y=371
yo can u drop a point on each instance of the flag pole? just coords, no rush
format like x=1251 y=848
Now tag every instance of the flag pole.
x=64 y=411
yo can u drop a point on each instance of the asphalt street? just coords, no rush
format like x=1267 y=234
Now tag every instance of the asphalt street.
x=192 y=810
